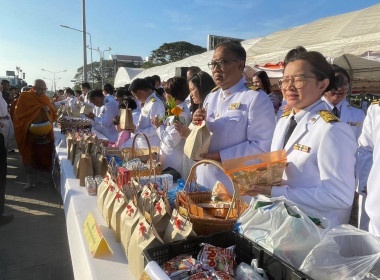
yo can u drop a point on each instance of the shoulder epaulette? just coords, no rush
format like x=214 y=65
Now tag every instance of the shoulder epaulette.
x=328 y=116
x=252 y=87
x=376 y=101
x=285 y=114
x=214 y=89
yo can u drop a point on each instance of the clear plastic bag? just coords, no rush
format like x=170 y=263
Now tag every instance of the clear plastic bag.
x=344 y=253
x=283 y=228
x=250 y=272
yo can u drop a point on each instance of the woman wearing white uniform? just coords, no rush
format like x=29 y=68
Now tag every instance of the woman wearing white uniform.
x=240 y=119
x=320 y=149
x=369 y=163
x=171 y=148
x=153 y=107
x=200 y=85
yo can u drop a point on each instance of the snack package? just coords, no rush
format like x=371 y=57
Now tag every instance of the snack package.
x=217 y=258
x=220 y=193
x=178 y=265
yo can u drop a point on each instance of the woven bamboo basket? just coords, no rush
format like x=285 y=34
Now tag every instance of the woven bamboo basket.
x=207 y=225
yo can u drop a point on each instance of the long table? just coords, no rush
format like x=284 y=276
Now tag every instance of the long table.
x=77 y=204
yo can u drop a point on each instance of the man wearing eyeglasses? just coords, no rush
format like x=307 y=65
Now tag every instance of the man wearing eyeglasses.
x=34 y=107
x=240 y=119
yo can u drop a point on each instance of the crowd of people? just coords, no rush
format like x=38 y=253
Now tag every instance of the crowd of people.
x=330 y=145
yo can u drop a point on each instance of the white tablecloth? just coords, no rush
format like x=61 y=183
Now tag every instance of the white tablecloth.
x=78 y=204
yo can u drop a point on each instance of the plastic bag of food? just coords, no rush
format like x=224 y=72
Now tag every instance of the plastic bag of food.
x=346 y=252
x=282 y=227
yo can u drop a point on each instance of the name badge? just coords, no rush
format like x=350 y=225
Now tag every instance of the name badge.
x=302 y=148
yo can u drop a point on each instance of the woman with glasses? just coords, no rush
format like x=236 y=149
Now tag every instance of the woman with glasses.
x=320 y=149
x=339 y=106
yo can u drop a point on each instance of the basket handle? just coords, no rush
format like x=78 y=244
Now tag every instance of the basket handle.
x=237 y=201
x=149 y=148
x=187 y=205
x=192 y=175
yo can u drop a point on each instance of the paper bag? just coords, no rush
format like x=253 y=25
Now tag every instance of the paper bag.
x=102 y=192
x=118 y=208
x=109 y=202
x=126 y=119
x=141 y=238
x=69 y=145
x=74 y=150
x=197 y=142
x=100 y=164
x=179 y=228
x=161 y=215
x=82 y=167
x=129 y=218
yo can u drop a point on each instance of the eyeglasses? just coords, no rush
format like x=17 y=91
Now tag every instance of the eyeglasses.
x=296 y=80
x=221 y=63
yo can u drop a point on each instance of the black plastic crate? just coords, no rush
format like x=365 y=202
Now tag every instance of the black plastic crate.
x=245 y=251
x=277 y=269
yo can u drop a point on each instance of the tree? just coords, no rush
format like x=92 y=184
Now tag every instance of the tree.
x=107 y=74
x=171 y=52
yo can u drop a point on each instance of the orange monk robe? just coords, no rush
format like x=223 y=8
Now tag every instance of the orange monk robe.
x=29 y=109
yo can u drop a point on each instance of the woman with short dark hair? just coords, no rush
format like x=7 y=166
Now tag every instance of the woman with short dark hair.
x=172 y=144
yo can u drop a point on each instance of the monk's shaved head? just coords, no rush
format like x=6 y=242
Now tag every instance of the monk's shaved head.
x=40 y=86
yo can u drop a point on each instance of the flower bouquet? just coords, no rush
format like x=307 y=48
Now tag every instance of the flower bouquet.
x=172 y=110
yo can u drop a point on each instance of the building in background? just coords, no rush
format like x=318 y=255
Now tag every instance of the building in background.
x=129 y=61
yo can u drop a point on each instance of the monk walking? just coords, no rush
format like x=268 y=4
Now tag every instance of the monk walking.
x=36 y=150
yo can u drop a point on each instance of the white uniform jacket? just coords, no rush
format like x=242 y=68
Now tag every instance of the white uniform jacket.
x=171 y=148
x=241 y=122
x=6 y=124
x=104 y=122
x=321 y=163
x=153 y=107
x=68 y=102
x=354 y=117
x=368 y=164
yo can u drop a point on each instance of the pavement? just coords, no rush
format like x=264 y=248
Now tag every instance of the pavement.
x=34 y=245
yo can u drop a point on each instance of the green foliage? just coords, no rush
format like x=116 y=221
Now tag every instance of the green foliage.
x=171 y=52
x=107 y=72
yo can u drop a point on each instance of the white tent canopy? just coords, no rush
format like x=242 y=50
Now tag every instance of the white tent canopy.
x=356 y=33
x=351 y=33
x=125 y=74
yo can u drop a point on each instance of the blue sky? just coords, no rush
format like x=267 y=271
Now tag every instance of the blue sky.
x=33 y=39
